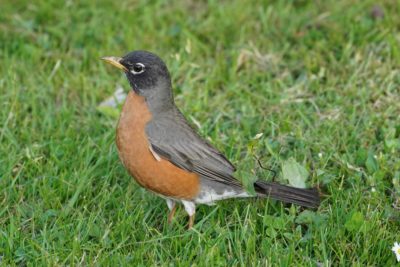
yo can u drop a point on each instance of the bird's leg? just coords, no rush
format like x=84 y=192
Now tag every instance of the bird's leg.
x=191 y=221
x=172 y=207
x=190 y=208
x=172 y=213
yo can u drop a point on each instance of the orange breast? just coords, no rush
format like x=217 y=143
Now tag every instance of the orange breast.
x=161 y=177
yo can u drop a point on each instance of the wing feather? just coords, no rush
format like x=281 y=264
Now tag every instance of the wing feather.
x=173 y=139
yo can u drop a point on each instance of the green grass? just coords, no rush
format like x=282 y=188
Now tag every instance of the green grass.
x=321 y=80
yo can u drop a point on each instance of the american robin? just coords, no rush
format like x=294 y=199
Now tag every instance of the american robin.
x=165 y=154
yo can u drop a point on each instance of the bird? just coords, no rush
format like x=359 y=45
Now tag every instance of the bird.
x=166 y=156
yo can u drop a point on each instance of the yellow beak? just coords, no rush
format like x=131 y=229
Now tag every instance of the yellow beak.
x=115 y=62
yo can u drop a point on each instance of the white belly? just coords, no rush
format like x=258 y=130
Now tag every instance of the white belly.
x=209 y=196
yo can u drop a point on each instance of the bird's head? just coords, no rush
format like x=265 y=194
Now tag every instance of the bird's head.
x=147 y=74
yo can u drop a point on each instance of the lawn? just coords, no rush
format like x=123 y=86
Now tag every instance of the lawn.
x=319 y=79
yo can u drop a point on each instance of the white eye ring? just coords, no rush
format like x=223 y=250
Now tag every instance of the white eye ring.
x=139 y=68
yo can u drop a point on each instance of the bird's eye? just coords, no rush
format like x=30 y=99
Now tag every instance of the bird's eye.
x=137 y=68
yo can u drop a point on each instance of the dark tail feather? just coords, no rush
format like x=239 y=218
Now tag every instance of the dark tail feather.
x=304 y=197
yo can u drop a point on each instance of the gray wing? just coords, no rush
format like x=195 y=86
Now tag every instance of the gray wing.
x=173 y=139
